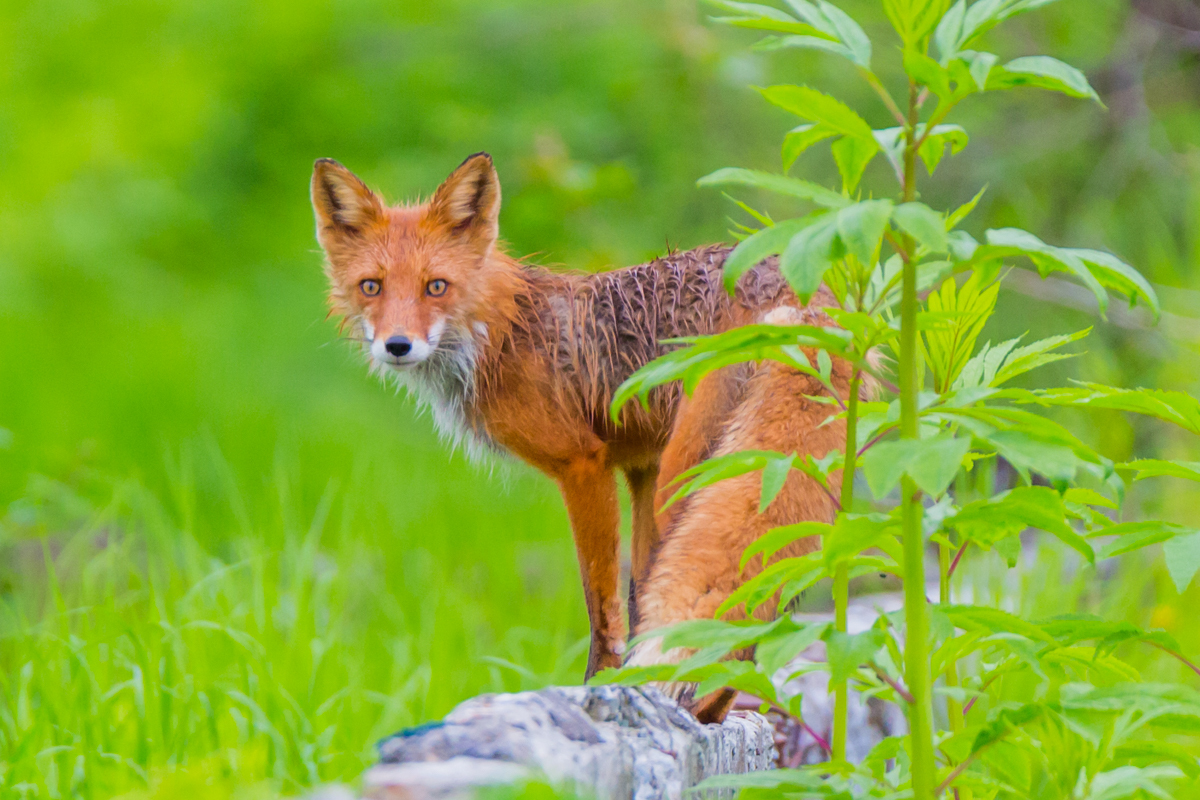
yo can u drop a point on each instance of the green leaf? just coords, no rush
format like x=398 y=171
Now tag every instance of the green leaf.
x=861 y=228
x=850 y=32
x=932 y=463
x=801 y=138
x=989 y=521
x=723 y=467
x=967 y=25
x=914 y=19
x=1032 y=356
x=753 y=15
x=1042 y=72
x=818 y=107
x=851 y=534
x=1154 y=468
x=923 y=224
x=1175 y=407
x=1115 y=275
x=1008 y=242
x=774 y=653
x=771 y=43
x=776 y=539
x=994 y=620
x=963 y=211
x=752 y=250
x=1001 y=721
x=846 y=652
x=1132 y=536
x=780 y=184
x=927 y=72
x=852 y=156
x=934 y=148
x=808 y=255
x=949 y=30
x=980 y=66
x=774 y=475
x=701 y=355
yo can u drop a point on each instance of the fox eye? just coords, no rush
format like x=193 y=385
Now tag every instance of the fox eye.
x=370 y=287
x=436 y=287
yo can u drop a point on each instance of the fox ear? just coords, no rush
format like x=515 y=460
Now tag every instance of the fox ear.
x=469 y=201
x=342 y=202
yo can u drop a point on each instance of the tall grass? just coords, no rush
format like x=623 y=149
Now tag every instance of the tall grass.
x=141 y=652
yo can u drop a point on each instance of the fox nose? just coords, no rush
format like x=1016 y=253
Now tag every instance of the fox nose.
x=398 y=346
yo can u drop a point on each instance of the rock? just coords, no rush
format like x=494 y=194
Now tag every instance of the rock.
x=607 y=742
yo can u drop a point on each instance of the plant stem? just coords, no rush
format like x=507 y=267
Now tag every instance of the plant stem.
x=953 y=706
x=916 y=611
x=841 y=577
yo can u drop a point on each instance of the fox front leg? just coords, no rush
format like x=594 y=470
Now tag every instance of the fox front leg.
x=590 y=491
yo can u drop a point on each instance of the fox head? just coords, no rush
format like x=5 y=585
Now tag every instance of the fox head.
x=417 y=280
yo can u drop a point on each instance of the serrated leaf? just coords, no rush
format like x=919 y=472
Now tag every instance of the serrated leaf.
x=1132 y=536
x=949 y=30
x=776 y=539
x=775 y=652
x=963 y=211
x=861 y=227
x=932 y=463
x=991 y=521
x=1042 y=72
x=1182 y=554
x=852 y=156
x=808 y=255
x=923 y=224
x=771 y=43
x=927 y=72
x=1174 y=407
x=850 y=32
x=762 y=17
x=934 y=148
x=815 y=106
x=851 y=534
x=1115 y=275
x=1155 y=468
x=780 y=184
x=995 y=620
x=774 y=475
x=1012 y=242
x=752 y=250
x=1002 y=720
x=801 y=138
x=846 y=652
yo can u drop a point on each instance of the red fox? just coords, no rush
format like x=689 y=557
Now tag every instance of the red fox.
x=518 y=359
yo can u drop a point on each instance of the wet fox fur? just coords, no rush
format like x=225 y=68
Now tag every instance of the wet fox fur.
x=522 y=360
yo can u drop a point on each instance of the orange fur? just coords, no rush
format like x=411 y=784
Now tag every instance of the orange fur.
x=521 y=360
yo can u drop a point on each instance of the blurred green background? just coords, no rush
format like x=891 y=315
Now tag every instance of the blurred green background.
x=229 y=559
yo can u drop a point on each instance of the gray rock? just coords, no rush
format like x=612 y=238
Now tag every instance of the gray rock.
x=607 y=742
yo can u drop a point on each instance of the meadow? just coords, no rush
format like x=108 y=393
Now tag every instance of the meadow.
x=229 y=559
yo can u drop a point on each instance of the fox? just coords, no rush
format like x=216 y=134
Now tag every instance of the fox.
x=524 y=361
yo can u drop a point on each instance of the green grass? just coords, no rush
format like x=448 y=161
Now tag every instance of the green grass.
x=229 y=560
x=137 y=647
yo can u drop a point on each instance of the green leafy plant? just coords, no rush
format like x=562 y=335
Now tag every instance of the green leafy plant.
x=1086 y=726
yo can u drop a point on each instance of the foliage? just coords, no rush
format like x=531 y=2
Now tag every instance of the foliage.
x=162 y=335
x=1085 y=725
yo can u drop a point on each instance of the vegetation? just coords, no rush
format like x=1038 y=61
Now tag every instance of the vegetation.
x=229 y=560
x=1082 y=725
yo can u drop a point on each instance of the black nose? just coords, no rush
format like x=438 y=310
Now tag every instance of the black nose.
x=398 y=345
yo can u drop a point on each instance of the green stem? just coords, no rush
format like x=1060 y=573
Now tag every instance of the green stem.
x=841 y=577
x=916 y=611
x=953 y=707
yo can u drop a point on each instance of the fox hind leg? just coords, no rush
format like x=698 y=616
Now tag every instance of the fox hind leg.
x=697 y=566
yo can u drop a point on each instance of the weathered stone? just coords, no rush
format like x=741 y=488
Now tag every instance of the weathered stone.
x=607 y=742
